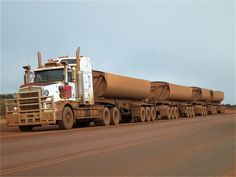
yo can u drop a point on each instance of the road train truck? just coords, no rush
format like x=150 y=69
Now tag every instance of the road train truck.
x=67 y=92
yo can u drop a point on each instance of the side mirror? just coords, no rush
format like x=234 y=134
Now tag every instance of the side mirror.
x=27 y=74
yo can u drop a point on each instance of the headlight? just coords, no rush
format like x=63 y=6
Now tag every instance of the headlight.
x=15 y=109
x=45 y=92
x=48 y=105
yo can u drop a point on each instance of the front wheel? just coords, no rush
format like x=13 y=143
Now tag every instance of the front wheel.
x=26 y=128
x=67 y=119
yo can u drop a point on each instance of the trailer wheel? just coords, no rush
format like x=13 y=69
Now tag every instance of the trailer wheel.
x=67 y=119
x=172 y=113
x=115 y=116
x=153 y=114
x=202 y=111
x=187 y=112
x=168 y=113
x=106 y=117
x=194 y=113
x=141 y=117
x=205 y=111
x=26 y=128
x=191 y=111
x=148 y=114
x=176 y=112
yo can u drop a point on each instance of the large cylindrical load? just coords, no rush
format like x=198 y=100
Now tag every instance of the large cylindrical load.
x=109 y=85
x=172 y=92
x=217 y=96
x=200 y=94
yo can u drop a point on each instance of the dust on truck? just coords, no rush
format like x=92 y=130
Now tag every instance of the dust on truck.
x=67 y=92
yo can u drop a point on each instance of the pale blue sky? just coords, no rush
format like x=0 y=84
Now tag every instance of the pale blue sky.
x=189 y=43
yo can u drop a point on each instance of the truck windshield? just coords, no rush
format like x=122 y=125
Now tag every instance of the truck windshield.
x=49 y=76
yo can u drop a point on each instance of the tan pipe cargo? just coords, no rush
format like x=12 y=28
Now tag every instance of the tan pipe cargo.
x=173 y=92
x=114 y=86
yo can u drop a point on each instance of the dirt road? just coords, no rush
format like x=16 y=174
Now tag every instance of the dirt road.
x=185 y=147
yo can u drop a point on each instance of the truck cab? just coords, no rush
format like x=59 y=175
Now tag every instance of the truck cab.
x=48 y=89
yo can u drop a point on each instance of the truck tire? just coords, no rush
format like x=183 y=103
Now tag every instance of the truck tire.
x=202 y=111
x=191 y=111
x=194 y=113
x=26 y=128
x=176 y=112
x=153 y=114
x=142 y=116
x=206 y=111
x=67 y=119
x=172 y=112
x=187 y=112
x=147 y=114
x=168 y=113
x=115 y=116
x=106 y=117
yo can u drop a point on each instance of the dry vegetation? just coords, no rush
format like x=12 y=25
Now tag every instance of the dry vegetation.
x=2 y=106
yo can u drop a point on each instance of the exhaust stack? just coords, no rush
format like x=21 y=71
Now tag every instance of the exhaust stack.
x=40 y=65
x=79 y=78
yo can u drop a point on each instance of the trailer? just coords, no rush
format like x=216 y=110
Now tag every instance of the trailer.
x=215 y=105
x=171 y=100
x=201 y=100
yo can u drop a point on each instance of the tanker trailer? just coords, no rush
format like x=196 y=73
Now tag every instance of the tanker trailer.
x=171 y=100
x=214 y=105
x=123 y=96
x=200 y=97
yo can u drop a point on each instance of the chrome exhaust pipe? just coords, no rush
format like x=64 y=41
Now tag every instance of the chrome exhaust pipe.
x=79 y=78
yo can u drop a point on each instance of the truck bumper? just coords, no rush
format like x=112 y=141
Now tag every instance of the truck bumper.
x=43 y=118
x=30 y=108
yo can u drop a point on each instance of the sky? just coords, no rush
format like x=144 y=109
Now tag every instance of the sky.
x=190 y=43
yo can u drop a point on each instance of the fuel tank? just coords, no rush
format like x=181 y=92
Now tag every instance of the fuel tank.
x=172 y=92
x=114 y=86
x=200 y=94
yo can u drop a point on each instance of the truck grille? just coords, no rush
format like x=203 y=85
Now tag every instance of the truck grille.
x=29 y=101
x=28 y=94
